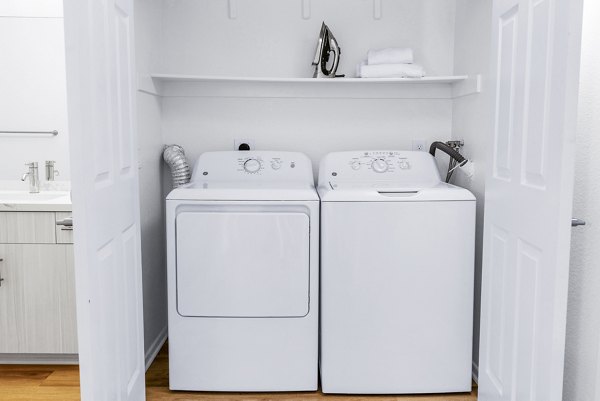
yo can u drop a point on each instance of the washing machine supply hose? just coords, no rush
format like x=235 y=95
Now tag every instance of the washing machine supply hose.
x=456 y=159
x=447 y=150
x=174 y=156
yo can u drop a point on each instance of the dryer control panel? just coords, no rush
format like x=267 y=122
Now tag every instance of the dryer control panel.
x=379 y=166
x=252 y=166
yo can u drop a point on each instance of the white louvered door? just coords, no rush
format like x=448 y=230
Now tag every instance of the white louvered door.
x=100 y=90
x=529 y=183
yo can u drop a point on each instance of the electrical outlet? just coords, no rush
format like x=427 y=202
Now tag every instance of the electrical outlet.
x=241 y=141
x=419 y=144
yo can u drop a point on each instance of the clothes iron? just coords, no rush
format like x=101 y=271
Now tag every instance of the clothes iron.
x=325 y=66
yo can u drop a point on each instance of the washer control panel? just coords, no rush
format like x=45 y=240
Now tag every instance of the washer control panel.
x=252 y=165
x=379 y=166
x=379 y=162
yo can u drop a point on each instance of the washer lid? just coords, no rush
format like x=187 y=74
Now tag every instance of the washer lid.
x=391 y=192
x=245 y=191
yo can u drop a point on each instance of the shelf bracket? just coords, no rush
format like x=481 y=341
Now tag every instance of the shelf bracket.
x=469 y=86
x=305 y=9
x=232 y=5
x=377 y=9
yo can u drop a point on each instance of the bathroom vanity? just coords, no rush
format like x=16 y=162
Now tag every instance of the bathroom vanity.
x=37 y=284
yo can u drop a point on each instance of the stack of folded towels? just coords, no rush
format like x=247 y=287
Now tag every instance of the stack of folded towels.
x=393 y=62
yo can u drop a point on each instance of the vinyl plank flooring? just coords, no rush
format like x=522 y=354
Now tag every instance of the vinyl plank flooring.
x=23 y=375
x=66 y=376
x=61 y=383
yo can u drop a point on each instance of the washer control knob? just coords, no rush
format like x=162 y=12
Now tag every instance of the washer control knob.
x=355 y=165
x=252 y=165
x=404 y=165
x=275 y=164
x=379 y=166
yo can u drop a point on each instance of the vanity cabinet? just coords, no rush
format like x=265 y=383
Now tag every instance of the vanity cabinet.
x=37 y=291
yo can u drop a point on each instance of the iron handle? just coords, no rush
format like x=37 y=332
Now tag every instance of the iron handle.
x=577 y=222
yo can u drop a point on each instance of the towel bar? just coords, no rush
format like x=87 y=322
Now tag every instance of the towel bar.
x=53 y=133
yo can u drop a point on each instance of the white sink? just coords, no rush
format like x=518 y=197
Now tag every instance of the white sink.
x=22 y=200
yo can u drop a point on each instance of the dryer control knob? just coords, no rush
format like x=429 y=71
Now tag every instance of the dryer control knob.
x=379 y=166
x=275 y=164
x=355 y=165
x=252 y=165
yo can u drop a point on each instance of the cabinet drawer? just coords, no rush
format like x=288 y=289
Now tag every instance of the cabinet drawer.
x=64 y=234
x=27 y=228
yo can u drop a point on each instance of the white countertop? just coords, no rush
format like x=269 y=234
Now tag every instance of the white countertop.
x=45 y=201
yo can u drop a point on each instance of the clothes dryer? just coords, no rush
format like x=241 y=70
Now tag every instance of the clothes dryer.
x=242 y=261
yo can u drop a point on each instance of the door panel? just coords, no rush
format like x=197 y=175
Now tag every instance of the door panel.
x=534 y=82
x=99 y=36
x=242 y=264
x=507 y=34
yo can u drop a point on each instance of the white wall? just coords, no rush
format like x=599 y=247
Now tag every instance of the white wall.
x=33 y=82
x=583 y=318
x=273 y=37
x=304 y=125
x=154 y=274
x=471 y=119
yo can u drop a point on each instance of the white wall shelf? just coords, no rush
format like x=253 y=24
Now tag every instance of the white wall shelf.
x=442 y=87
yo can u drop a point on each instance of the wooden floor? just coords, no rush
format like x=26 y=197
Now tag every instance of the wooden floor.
x=61 y=383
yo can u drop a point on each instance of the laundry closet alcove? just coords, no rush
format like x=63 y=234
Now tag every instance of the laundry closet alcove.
x=212 y=72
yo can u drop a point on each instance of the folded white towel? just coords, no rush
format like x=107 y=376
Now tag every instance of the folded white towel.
x=391 y=55
x=359 y=67
x=391 y=71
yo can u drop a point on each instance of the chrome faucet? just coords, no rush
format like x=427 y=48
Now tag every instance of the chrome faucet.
x=51 y=171
x=34 y=178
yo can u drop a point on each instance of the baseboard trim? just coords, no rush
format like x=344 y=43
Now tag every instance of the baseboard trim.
x=475 y=372
x=39 y=359
x=154 y=349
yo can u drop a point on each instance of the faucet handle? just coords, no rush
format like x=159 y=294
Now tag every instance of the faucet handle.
x=51 y=171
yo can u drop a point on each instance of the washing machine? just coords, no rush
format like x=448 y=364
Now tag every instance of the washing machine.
x=397 y=259
x=242 y=262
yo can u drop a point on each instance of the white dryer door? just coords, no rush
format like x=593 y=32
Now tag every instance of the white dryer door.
x=242 y=264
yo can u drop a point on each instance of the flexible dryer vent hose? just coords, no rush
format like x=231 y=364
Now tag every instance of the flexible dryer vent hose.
x=180 y=169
